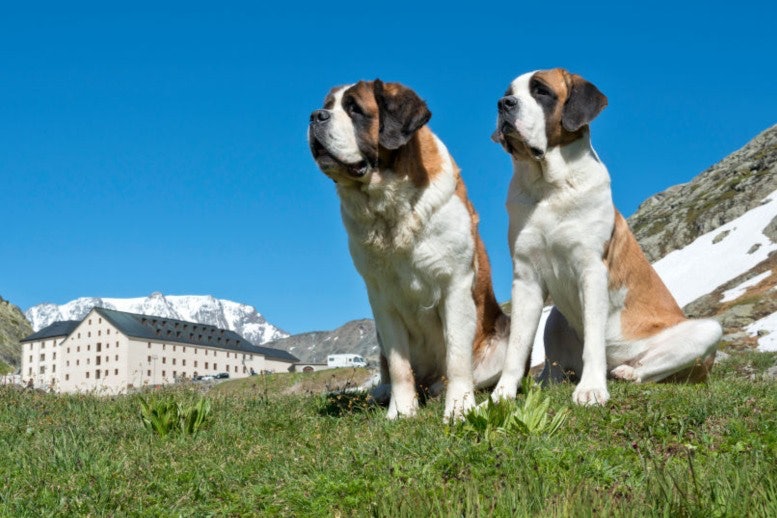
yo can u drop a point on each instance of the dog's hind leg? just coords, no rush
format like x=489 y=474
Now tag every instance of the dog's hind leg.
x=683 y=348
x=563 y=350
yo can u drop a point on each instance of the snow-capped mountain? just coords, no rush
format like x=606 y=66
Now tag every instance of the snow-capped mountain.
x=204 y=309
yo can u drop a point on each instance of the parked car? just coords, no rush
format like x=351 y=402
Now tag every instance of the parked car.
x=221 y=376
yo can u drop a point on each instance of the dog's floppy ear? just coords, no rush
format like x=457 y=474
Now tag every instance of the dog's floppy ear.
x=584 y=103
x=401 y=113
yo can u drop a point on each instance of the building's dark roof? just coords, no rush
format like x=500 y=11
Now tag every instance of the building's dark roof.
x=57 y=329
x=170 y=330
x=277 y=353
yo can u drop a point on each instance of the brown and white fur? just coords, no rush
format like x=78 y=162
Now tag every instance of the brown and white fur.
x=413 y=237
x=612 y=312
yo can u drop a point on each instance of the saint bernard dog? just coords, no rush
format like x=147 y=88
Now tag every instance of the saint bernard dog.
x=612 y=313
x=413 y=237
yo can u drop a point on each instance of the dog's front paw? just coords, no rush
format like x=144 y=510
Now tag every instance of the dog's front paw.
x=400 y=406
x=590 y=396
x=458 y=403
x=625 y=372
x=504 y=392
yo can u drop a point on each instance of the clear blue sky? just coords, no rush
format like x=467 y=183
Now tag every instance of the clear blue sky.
x=163 y=149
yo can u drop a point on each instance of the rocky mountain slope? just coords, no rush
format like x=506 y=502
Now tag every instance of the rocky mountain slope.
x=714 y=240
x=674 y=218
x=225 y=314
x=357 y=337
x=13 y=327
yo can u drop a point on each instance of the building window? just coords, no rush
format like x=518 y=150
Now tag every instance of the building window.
x=99 y=347
x=164 y=374
x=184 y=349
x=97 y=374
x=43 y=357
x=99 y=332
x=149 y=359
x=164 y=359
x=30 y=371
x=206 y=365
x=78 y=349
x=54 y=368
x=97 y=360
x=99 y=320
x=67 y=363
x=149 y=345
x=195 y=364
x=215 y=368
x=183 y=362
x=87 y=375
x=78 y=362
x=89 y=334
x=117 y=357
x=108 y=331
x=30 y=358
x=116 y=372
x=173 y=351
x=90 y=321
x=67 y=377
x=42 y=369
x=43 y=344
x=54 y=355
x=149 y=373
x=68 y=350
x=88 y=347
x=79 y=335
x=175 y=373
x=88 y=361
x=173 y=361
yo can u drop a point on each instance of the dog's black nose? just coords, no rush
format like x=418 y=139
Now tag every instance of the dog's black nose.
x=507 y=103
x=320 y=116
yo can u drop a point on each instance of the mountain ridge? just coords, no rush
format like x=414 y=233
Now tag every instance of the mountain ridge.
x=205 y=309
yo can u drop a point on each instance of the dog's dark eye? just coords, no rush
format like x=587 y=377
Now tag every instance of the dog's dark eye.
x=354 y=109
x=539 y=89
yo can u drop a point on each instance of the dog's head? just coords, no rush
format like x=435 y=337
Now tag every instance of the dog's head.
x=544 y=109
x=362 y=123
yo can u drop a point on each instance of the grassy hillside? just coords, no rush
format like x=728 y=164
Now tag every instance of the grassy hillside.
x=13 y=327
x=706 y=450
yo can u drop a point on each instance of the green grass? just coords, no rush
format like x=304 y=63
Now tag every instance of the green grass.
x=663 y=450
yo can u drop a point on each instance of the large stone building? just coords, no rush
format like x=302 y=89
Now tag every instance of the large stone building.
x=112 y=352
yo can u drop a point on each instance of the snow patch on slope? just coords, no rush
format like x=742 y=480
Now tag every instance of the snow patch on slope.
x=702 y=266
x=738 y=291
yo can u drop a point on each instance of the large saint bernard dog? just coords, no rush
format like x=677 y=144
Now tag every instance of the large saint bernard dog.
x=413 y=237
x=612 y=314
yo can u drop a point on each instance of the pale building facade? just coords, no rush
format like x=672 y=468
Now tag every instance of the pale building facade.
x=112 y=352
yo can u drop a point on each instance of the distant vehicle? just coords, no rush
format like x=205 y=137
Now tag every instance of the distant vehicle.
x=345 y=360
x=206 y=377
x=221 y=376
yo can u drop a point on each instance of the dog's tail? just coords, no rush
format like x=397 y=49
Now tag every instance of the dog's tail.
x=488 y=355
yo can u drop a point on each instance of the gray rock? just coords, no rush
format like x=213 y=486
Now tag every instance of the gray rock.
x=672 y=219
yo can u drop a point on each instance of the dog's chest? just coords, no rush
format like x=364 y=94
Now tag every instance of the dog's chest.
x=411 y=251
x=557 y=237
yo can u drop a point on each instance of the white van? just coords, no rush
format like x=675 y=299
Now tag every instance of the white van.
x=345 y=360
